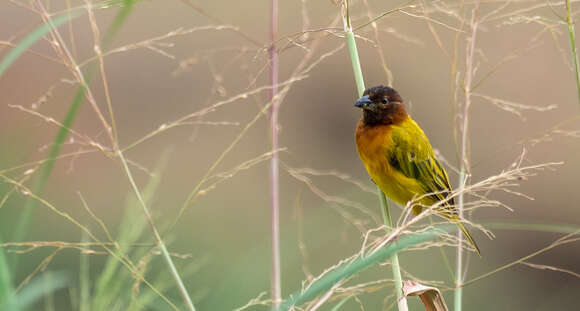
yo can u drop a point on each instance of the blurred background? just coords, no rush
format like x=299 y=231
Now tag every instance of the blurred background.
x=522 y=57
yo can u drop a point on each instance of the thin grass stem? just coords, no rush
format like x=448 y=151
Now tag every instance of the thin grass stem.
x=358 y=76
x=60 y=138
x=158 y=240
x=84 y=277
x=573 y=50
x=464 y=161
x=458 y=294
x=275 y=277
x=561 y=241
x=401 y=300
x=112 y=136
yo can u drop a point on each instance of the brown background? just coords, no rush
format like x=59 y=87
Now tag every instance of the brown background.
x=230 y=225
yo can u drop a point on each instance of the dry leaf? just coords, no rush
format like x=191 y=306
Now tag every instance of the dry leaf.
x=430 y=296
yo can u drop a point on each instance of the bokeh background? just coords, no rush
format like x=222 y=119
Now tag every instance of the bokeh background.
x=226 y=231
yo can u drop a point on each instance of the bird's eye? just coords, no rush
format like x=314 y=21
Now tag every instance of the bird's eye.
x=385 y=100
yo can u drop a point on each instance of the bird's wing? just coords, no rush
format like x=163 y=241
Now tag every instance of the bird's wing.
x=413 y=156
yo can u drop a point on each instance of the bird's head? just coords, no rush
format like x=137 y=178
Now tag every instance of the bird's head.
x=381 y=105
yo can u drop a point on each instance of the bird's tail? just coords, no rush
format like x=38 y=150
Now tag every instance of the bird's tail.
x=468 y=236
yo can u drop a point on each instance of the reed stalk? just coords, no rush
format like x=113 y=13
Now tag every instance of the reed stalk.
x=464 y=161
x=358 y=77
x=573 y=50
x=275 y=277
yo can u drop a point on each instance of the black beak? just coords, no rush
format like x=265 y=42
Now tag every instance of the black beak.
x=363 y=102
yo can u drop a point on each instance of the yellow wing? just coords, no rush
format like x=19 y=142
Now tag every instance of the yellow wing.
x=413 y=156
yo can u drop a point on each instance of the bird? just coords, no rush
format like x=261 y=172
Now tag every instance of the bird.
x=399 y=158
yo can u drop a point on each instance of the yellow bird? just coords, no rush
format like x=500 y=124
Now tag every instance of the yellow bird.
x=399 y=157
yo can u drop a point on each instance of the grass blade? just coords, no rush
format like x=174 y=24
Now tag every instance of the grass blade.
x=359 y=264
x=34 y=36
x=574 y=51
x=36 y=289
x=6 y=288
x=84 y=277
x=113 y=281
x=120 y=19
x=72 y=112
x=341 y=303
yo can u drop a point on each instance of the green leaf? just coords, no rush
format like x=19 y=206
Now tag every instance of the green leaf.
x=114 y=283
x=357 y=265
x=6 y=289
x=38 y=33
x=37 y=288
x=34 y=36
x=72 y=112
x=126 y=8
x=341 y=303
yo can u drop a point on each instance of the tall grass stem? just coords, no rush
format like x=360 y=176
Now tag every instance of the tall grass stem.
x=573 y=50
x=458 y=294
x=275 y=278
x=358 y=77
x=84 y=277
x=158 y=240
x=398 y=279
x=464 y=161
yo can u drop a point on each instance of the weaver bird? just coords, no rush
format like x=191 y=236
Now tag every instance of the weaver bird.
x=399 y=157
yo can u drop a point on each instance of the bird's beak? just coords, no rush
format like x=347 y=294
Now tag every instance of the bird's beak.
x=363 y=102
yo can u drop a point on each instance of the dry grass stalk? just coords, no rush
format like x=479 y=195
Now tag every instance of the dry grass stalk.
x=550 y=268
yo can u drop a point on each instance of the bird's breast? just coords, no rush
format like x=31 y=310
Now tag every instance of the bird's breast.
x=372 y=144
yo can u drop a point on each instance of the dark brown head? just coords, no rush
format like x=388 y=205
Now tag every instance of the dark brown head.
x=381 y=105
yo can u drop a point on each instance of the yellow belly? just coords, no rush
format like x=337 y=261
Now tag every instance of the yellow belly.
x=395 y=185
x=372 y=147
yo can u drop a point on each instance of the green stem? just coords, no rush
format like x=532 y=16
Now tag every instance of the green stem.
x=360 y=85
x=401 y=301
x=356 y=68
x=572 y=36
x=164 y=252
x=339 y=273
x=458 y=294
x=464 y=160
x=84 y=278
x=342 y=302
